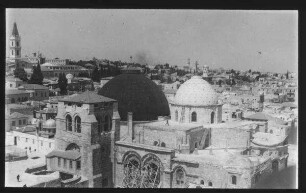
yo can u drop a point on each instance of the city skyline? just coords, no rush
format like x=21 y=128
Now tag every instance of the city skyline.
x=257 y=40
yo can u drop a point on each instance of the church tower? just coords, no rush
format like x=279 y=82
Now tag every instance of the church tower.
x=15 y=46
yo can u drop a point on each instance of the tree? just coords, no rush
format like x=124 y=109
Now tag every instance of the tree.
x=62 y=83
x=37 y=76
x=21 y=74
x=95 y=76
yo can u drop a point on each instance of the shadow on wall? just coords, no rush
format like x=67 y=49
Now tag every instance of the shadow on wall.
x=285 y=179
x=292 y=139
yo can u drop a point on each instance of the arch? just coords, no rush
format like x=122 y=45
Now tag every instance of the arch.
x=202 y=182
x=68 y=123
x=163 y=144
x=212 y=117
x=99 y=126
x=107 y=123
x=176 y=115
x=193 y=117
x=196 y=145
x=130 y=154
x=152 y=170
x=132 y=172
x=155 y=143
x=234 y=179
x=73 y=147
x=210 y=184
x=180 y=176
x=77 y=124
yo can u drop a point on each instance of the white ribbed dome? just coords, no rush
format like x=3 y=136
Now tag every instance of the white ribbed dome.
x=50 y=123
x=196 y=92
x=69 y=76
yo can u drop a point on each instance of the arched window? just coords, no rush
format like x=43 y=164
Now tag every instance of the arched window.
x=163 y=144
x=99 y=120
x=68 y=123
x=107 y=123
x=193 y=117
x=196 y=145
x=176 y=116
x=155 y=143
x=12 y=100
x=73 y=147
x=77 y=124
x=180 y=177
x=212 y=117
x=210 y=184
x=234 y=180
x=202 y=182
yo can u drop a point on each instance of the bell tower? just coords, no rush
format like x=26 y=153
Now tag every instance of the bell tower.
x=15 y=45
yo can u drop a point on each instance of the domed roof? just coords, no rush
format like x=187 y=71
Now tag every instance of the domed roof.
x=69 y=76
x=138 y=94
x=196 y=92
x=50 y=123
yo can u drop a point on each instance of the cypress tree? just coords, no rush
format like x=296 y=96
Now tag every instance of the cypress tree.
x=37 y=76
x=95 y=76
x=62 y=83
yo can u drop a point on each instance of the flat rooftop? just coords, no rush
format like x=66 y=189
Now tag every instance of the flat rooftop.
x=231 y=125
x=171 y=126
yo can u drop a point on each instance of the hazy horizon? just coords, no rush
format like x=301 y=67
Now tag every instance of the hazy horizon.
x=242 y=40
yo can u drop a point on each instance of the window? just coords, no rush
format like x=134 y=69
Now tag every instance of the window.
x=68 y=123
x=24 y=121
x=26 y=139
x=196 y=145
x=99 y=120
x=176 y=116
x=77 y=124
x=59 y=162
x=202 y=182
x=107 y=123
x=12 y=52
x=193 y=117
x=17 y=44
x=11 y=85
x=17 y=52
x=212 y=117
x=12 y=45
x=180 y=177
x=271 y=131
x=65 y=163
x=234 y=180
x=42 y=94
x=70 y=164
x=163 y=144
x=13 y=123
x=155 y=143
x=210 y=184
x=78 y=165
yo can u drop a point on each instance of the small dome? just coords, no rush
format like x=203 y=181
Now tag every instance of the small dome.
x=196 y=92
x=50 y=123
x=69 y=76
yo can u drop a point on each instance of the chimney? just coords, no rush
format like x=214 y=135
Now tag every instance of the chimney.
x=130 y=125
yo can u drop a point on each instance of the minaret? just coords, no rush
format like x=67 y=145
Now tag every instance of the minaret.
x=15 y=45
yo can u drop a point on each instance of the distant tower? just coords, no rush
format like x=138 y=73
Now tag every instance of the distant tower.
x=15 y=45
x=205 y=71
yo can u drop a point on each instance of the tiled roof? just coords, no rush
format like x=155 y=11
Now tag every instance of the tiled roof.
x=87 y=97
x=17 y=115
x=73 y=155
x=34 y=87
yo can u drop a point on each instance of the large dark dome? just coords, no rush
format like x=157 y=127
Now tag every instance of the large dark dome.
x=138 y=94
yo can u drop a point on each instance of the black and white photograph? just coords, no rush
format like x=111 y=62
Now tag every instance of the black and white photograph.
x=151 y=98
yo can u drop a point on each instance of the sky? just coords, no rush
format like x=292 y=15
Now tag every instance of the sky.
x=240 y=39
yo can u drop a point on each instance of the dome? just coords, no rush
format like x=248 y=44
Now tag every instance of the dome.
x=196 y=92
x=50 y=123
x=138 y=94
x=69 y=76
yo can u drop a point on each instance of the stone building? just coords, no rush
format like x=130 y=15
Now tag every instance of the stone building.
x=85 y=127
x=196 y=101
